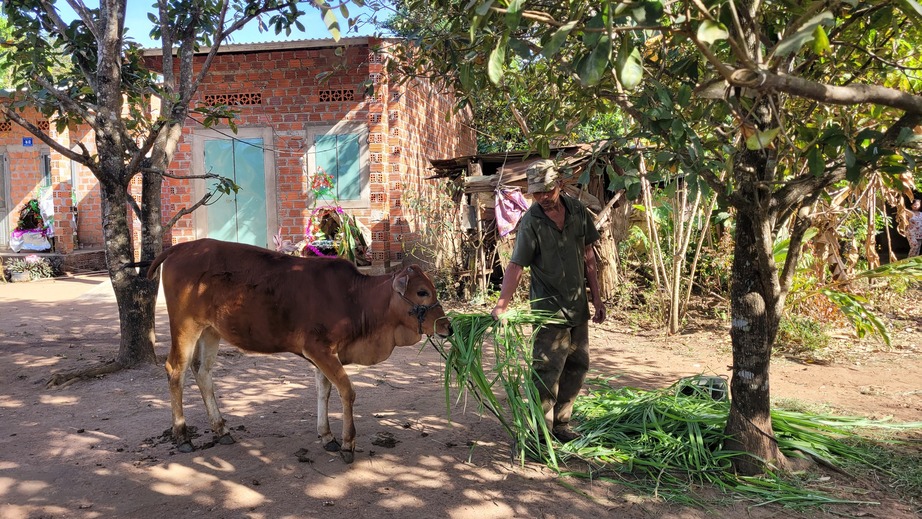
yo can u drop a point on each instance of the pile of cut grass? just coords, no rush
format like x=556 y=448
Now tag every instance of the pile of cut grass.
x=661 y=442
x=666 y=443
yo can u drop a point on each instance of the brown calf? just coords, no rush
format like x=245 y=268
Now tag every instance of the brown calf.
x=322 y=309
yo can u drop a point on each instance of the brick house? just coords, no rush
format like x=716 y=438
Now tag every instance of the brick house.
x=290 y=124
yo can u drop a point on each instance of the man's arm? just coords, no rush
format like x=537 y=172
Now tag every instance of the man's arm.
x=592 y=276
x=511 y=279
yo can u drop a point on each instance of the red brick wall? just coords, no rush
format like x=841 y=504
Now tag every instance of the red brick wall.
x=405 y=126
x=24 y=171
x=422 y=133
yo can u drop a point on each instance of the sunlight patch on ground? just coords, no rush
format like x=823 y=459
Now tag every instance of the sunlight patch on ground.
x=6 y=402
x=66 y=445
x=36 y=362
x=58 y=400
x=483 y=509
x=179 y=480
x=15 y=512
x=25 y=488
x=215 y=464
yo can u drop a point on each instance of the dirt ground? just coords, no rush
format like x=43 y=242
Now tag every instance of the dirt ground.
x=95 y=449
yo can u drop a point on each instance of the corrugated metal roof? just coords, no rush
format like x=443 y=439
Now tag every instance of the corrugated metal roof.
x=310 y=43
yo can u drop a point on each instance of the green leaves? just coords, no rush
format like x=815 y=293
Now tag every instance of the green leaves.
x=514 y=13
x=329 y=19
x=761 y=139
x=912 y=9
x=628 y=65
x=497 y=61
x=805 y=33
x=862 y=318
x=591 y=68
x=557 y=39
x=710 y=31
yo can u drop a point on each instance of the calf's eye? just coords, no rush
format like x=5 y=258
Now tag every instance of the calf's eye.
x=422 y=293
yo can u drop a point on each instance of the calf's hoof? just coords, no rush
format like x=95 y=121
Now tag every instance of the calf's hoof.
x=332 y=446
x=347 y=456
x=185 y=447
x=227 y=439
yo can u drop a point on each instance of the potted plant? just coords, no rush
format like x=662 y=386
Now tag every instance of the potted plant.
x=29 y=268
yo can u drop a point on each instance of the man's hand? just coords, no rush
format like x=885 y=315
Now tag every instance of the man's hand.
x=497 y=311
x=600 y=315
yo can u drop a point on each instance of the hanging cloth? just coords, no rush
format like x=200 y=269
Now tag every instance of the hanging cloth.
x=510 y=206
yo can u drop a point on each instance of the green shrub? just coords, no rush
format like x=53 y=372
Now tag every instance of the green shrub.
x=798 y=334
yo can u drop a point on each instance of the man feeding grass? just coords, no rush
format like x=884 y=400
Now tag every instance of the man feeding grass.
x=555 y=239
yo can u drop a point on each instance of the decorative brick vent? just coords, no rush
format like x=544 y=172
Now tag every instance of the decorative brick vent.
x=6 y=126
x=378 y=256
x=239 y=99
x=42 y=125
x=376 y=178
x=377 y=198
x=375 y=138
x=376 y=158
x=398 y=256
x=374 y=118
x=378 y=236
x=336 y=96
x=375 y=78
x=375 y=57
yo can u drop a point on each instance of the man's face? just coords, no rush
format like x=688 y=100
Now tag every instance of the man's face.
x=548 y=200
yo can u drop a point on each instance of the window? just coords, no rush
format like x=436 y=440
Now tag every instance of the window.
x=342 y=152
x=46 y=170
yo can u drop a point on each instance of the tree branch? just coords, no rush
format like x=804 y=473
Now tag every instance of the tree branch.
x=67 y=101
x=84 y=15
x=134 y=206
x=184 y=211
x=84 y=158
x=841 y=95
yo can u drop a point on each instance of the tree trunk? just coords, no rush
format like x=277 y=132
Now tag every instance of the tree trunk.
x=755 y=296
x=752 y=331
x=135 y=295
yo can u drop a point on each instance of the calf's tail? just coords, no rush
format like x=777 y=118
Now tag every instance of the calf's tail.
x=152 y=269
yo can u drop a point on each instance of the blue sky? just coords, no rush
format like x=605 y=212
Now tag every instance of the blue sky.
x=139 y=26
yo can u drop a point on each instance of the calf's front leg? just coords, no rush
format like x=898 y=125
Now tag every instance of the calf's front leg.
x=332 y=372
x=323 y=412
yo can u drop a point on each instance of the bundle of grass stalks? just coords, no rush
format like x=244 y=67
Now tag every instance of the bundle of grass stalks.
x=507 y=371
x=662 y=442
x=665 y=442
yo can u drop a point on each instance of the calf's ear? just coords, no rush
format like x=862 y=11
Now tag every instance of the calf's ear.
x=400 y=282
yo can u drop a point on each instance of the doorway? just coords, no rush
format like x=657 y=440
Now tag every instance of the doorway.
x=249 y=215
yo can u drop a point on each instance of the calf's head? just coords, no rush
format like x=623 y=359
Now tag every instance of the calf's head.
x=417 y=293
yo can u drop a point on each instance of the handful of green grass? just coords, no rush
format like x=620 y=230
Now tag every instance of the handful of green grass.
x=474 y=368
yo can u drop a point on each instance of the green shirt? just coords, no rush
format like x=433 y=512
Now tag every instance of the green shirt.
x=557 y=259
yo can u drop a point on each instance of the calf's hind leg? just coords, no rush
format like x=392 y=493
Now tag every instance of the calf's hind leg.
x=206 y=352
x=181 y=351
